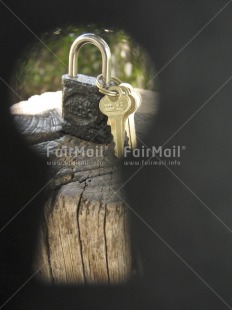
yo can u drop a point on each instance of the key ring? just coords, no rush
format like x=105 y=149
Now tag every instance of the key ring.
x=103 y=90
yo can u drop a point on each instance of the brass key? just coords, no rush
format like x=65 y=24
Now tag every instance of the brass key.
x=130 y=124
x=127 y=91
x=117 y=108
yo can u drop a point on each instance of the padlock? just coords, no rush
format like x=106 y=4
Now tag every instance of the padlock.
x=81 y=96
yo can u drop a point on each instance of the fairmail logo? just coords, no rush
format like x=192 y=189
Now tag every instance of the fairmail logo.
x=172 y=152
x=76 y=151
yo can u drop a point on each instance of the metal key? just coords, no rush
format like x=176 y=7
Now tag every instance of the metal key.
x=127 y=91
x=130 y=124
x=117 y=108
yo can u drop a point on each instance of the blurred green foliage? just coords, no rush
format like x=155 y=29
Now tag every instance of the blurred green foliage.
x=42 y=66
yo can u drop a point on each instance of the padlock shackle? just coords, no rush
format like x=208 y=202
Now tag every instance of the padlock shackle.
x=90 y=38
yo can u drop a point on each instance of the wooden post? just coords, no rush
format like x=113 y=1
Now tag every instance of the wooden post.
x=84 y=236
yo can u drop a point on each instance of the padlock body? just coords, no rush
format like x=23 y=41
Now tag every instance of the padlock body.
x=81 y=114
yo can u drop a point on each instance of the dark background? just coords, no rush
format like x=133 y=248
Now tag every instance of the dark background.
x=170 y=208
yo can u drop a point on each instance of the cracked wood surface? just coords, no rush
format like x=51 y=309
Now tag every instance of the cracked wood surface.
x=84 y=236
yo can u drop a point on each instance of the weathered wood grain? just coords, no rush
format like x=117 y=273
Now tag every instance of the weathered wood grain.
x=84 y=236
